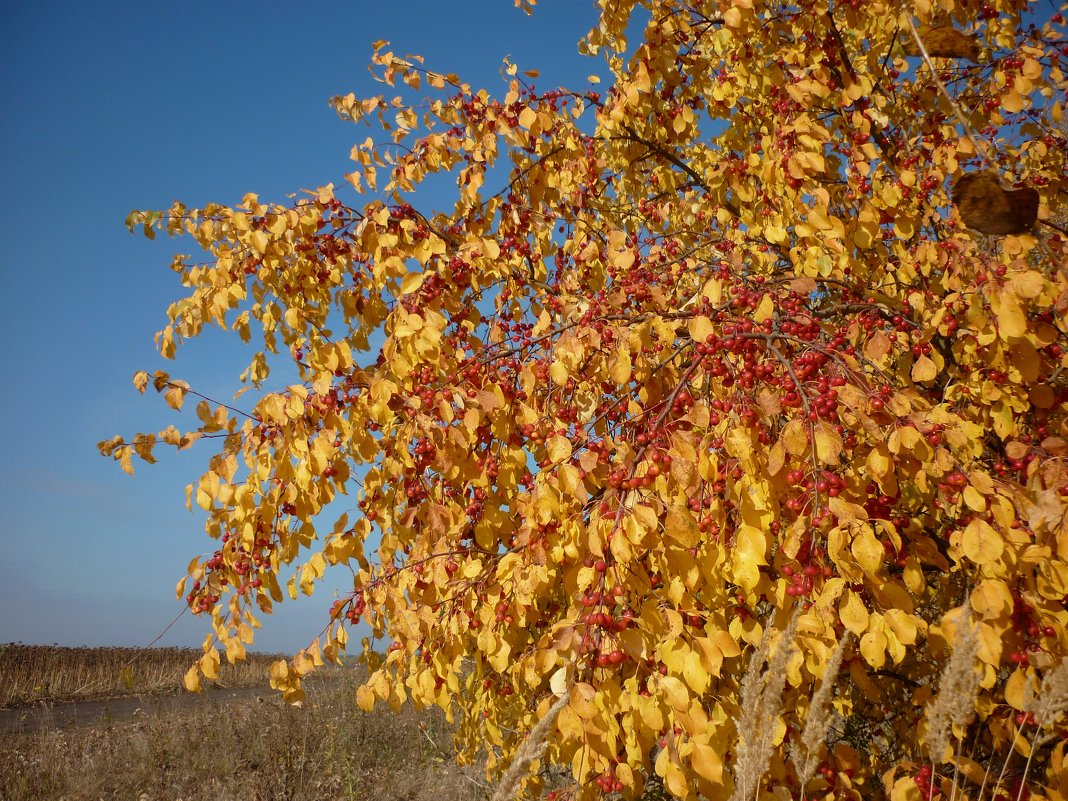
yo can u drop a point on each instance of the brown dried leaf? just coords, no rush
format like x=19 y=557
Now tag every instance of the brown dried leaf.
x=945 y=41
x=988 y=208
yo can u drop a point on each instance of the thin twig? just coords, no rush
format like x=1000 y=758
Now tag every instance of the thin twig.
x=980 y=149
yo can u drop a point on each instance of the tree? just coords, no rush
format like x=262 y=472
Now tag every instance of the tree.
x=708 y=356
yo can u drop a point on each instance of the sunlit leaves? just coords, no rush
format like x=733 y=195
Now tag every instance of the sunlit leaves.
x=677 y=356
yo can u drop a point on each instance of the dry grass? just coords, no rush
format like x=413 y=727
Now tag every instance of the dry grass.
x=957 y=690
x=255 y=750
x=948 y=715
x=262 y=749
x=531 y=748
x=806 y=753
x=47 y=673
x=761 y=700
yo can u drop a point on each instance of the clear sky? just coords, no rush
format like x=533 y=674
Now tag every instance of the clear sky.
x=114 y=106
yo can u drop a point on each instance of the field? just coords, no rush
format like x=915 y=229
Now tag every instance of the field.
x=41 y=673
x=254 y=748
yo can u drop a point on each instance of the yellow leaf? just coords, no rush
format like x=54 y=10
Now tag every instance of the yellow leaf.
x=904 y=228
x=902 y=625
x=527 y=118
x=619 y=367
x=491 y=249
x=365 y=698
x=558 y=683
x=924 y=369
x=893 y=645
x=739 y=443
x=878 y=345
x=975 y=501
x=707 y=762
x=991 y=599
x=621 y=259
x=906 y=789
x=795 y=438
x=259 y=242
x=680 y=526
x=828 y=443
x=864 y=237
x=650 y=712
x=675 y=781
x=991 y=644
x=569 y=724
x=750 y=548
x=1011 y=320
x=625 y=775
x=879 y=462
x=1012 y=101
x=235 y=651
x=873 y=644
x=981 y=543
x=411 y=282
x=1016 y=690
x=775 y=234
x=725 y=643
x=695 y=674
x=559 y=448
x=174 y=396
x=868 y=552
x=765 y=310
x=1029 y=284
x=192 y=680
x=776 y=458
x=674 y=692
x=641 y=78
x=853 y=613
x=700 y=328
x=711 y=657
x=209 y=664
x=571 y=481
x=583 y=700
x=558 y=373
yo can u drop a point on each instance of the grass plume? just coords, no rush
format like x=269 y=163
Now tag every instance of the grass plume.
x=1052 y=699
x=805 y=756
x=761 y=703
x=530 y=749
x=957 y=689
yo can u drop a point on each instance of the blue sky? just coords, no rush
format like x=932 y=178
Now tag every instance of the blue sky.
x=114 y=106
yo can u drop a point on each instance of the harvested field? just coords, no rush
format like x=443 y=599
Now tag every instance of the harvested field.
x=246 y=745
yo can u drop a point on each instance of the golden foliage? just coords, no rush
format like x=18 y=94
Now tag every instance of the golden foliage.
x=675 y=358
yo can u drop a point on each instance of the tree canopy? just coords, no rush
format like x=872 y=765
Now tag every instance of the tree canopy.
x=761 y=342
